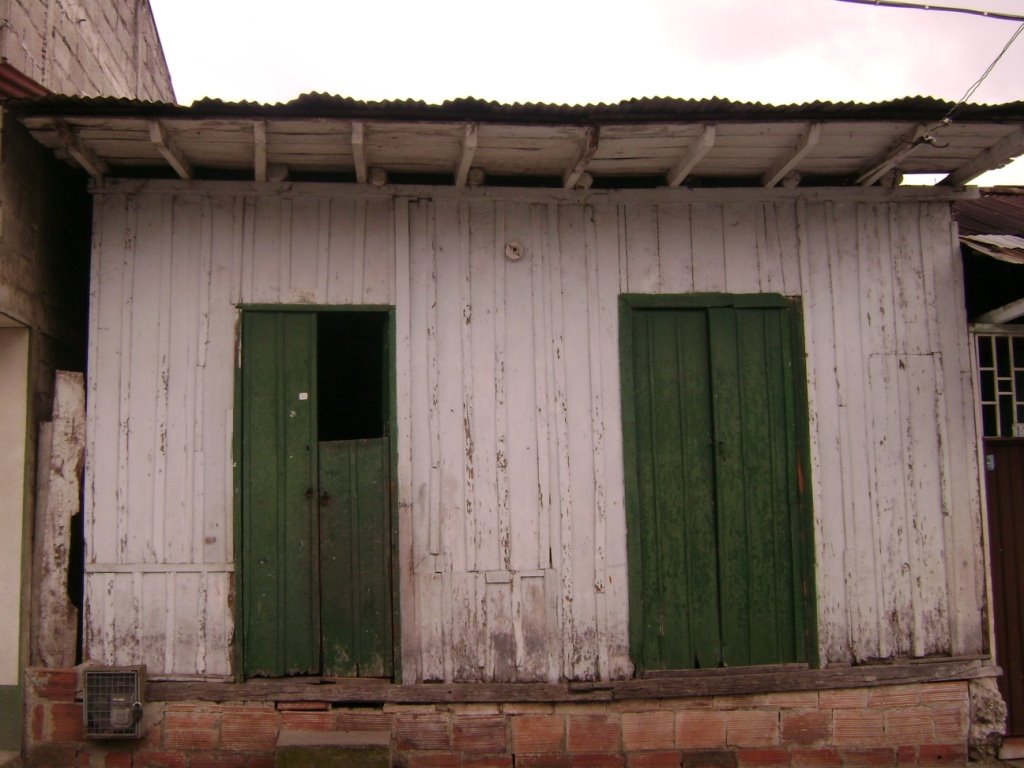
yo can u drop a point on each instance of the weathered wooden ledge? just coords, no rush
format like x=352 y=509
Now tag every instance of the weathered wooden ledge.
x=683 y=684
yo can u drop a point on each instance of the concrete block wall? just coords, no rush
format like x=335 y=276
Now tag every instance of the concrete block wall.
x=87 y=48
x=922 y=724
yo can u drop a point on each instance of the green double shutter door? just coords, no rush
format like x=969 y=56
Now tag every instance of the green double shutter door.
x=716 y=532
x=315 y=530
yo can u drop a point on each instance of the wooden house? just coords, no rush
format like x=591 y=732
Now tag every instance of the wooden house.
x=486 y=434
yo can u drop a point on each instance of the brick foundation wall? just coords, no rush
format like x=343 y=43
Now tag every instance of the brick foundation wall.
x=921 y=724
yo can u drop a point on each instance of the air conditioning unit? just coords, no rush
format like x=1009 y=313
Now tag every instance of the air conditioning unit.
x=113 y=702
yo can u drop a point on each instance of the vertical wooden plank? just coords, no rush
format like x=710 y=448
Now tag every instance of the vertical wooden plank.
x=217 y=615
x=124 y=620
x=833 y=623
x=266 y=259
x=341 y=251
x=303 y=250
x=186 y=623
x=359 y=250
x=503 y=537
x=782 y=236
x=708 y=238
x=541 y=377
x=500 y=640
x=641 y=233
x=675 y=256
x=531 y=621
x=153 y=638
x=378 y=253
x=198 y=406
x=743 y=238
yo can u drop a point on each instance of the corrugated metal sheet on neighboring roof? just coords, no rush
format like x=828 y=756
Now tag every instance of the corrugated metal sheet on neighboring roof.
x=999 y=211
x=650 y=109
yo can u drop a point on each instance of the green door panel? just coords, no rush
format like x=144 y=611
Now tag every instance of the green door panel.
x=355 y=545
x=715 y=520
x=279 y=477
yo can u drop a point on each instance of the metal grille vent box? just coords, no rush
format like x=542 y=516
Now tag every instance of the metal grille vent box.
x=113 y=702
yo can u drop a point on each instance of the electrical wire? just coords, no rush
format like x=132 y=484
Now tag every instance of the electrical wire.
x=985 y=74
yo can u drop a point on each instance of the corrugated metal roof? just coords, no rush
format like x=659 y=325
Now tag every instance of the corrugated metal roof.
x=647 y=109
x=1009 y=248
x=997 y=211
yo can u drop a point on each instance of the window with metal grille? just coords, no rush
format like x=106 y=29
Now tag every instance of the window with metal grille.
x=1001 y=375
x=112 y=697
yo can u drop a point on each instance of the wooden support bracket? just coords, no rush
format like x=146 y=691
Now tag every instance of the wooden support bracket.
x=893 y=155
x=359 y=153
x=93 y=165
x=169 y=149
x=584 y=154
x=694 y=155
x=466 y=156
x=788 y=162
x=995 y=156
x=259 y=132
x=1004 y=314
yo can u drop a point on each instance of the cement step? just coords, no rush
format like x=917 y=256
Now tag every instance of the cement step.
x=10 y=759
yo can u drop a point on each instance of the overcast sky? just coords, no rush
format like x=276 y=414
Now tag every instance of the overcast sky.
x=586 y=51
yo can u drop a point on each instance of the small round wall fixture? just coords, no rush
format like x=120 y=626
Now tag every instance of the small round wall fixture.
x=513 y=250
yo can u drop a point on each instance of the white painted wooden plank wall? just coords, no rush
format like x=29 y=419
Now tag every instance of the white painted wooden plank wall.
x=510 y=470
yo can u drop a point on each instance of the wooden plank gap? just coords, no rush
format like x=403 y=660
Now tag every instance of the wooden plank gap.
x=996 y=156
x=789 y=161
x=694 y=154
x=359 y=152
x=259 y=133
x=584 y=154
x=469 y=141
x=170 y=150
x=889 y=159
x=1004 y=314
x=93 y=165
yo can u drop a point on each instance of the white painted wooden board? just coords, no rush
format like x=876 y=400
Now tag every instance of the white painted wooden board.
x=510 y=477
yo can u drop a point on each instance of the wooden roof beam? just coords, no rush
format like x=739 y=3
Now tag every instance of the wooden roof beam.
x=169 y=149
x=466 y=156
x=359 y=152
x=892 y=157
x=259 y=133
x=693 y=155
x=93 y=165
x=1004 y=314
x=788 y=162
x=584 y=154
x=995 y=156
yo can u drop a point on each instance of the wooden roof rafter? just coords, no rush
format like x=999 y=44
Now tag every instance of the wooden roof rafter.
x=895 y=154
x=584 y=154
x=788 y=162
x=469 y=142
x=168 y=147
x=93 y=165
x=696 y=152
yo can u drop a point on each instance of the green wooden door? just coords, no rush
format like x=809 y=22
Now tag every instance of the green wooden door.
x=315 y=516
x=716 y=528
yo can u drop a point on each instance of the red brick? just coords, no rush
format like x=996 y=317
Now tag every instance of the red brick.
x=541 y=760
x=422 y=732
x=696 y=728
x=594 y=733
x=118 y=759
x=865 y=758
x=943 y=754
x=84 y=759
x=537 y=733
x=793 y=699
x=599 y=760
x=50 y=755
x=307 y=721
x=38 y=722
x=657 y=759
x=66 y=722
x=857 y=727
x=950 y=723
x=806 y=728
x=906 y=755
x=815 y=758
x=851 y=698
x=488 y=761
x=369 y=720
x=752 y=727
x=249 y=729
x=194 y=729
x=939 y=692
x=303 y=706
x=431 y=760
x=54 y=684
x=915 y=725
x=218 y=761
x=480 y=733
x=261 y=761
x=762 y=757
x=895 y=696
x=648 y=730
x=159 y=760
x=709 y=758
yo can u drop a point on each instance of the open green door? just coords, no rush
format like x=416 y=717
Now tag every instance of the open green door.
x=713 y=421
x=316 y=506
